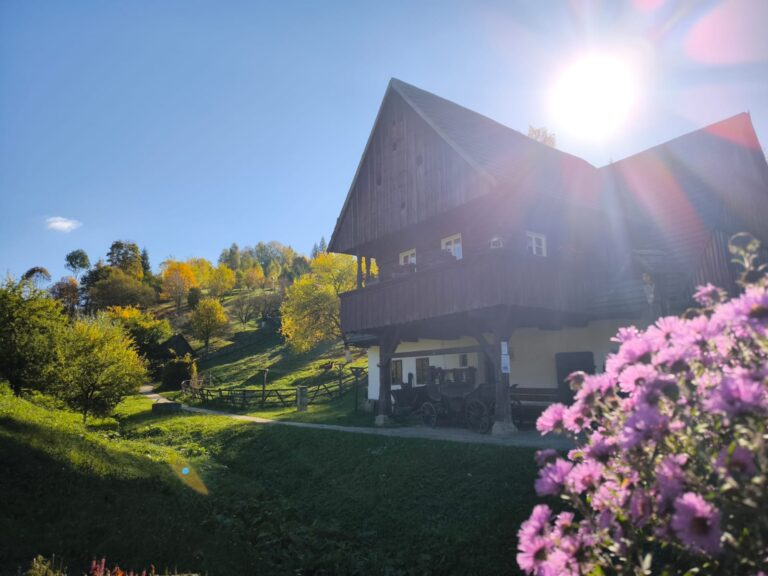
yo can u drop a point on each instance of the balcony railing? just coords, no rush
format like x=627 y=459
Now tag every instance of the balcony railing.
x=482 y=281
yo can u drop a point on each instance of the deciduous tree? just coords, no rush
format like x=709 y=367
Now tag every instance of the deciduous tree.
x=116 y=288
x=254 y=277
x=77 y=261
x=222 y=281
x=178 y=278
x=209 y=320
x=127 y=257
x=245 y=308
x=31 y=327
x=67 y=292
x=100 y=367
x=542 y=135
x=147 y=331
x=202 y=269
x=311 y=309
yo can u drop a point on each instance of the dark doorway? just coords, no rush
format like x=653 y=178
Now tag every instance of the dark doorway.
x=568 y=362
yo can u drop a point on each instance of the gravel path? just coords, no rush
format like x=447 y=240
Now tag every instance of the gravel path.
x=525 y=438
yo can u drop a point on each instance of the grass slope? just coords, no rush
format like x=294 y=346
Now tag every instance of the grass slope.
x=261 y=499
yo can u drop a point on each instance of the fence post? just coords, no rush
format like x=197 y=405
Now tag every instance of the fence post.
x=301 y=398
x=264 y=387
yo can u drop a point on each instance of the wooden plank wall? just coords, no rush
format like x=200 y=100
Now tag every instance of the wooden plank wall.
x=408 y=175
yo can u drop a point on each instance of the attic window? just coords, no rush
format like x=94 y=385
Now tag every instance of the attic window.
x=536 y=244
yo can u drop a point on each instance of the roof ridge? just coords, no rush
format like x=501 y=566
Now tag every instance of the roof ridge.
x=744 y=115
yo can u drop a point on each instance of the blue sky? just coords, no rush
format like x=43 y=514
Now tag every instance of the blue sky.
x=185 y=125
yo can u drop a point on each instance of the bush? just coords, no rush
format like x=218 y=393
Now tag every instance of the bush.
x=177 y=370
x=669 y=473
x=194 y=296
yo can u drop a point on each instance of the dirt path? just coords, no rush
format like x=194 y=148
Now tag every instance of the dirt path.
x=525 y=438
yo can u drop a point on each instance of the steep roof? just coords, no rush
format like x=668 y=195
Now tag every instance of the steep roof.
x=499 y=152
x=505 y=158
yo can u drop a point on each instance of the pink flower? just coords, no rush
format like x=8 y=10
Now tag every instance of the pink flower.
x=584 y=476
x=551 y=420
x=697 y=523
x=552 y=478
x=546 y=456
x=645 y=423
x=707 y=295
x=738 y=463
x=741 y=392
x=670 y=479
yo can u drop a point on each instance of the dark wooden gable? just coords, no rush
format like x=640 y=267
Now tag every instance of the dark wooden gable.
x=408 y=173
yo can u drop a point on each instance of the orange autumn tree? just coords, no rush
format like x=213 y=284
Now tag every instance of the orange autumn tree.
x=178 y=278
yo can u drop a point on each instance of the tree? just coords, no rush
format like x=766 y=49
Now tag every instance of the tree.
x=116 y=288
x=77 y=261
x=299 y=267
x=209 y=320
x=319 y=248
x=311 y=309
x=36 y=274
x=202 y=270
x=127 y=257
x=542 y=135
x=194 y=296
x=254 y=277
x=178 y=278
x=245 y=308
x=31 y=327
x=67 y=292
x=146 y=331
x=100 y=367
x=222 y=281
x=145 y=267
x=272 y=274
x=231 y=257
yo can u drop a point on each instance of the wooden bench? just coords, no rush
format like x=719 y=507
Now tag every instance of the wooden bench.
x=527 y=404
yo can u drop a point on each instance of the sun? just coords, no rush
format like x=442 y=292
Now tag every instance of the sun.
x=594 y=97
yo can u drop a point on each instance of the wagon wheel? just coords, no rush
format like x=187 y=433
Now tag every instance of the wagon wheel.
x=478 y=416
x=429 y=414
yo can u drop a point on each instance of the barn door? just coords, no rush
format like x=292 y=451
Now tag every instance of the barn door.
x=568 y=362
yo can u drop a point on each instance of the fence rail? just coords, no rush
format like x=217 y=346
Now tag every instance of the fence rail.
x=272 y=397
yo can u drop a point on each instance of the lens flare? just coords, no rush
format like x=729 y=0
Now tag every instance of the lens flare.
x=594 y=97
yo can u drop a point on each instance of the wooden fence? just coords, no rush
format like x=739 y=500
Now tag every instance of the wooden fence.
x=201 y=390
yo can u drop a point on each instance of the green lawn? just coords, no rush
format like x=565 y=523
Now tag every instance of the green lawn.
x=258 y=499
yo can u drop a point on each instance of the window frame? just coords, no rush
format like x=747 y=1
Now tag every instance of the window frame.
x=449 y=244
x=421 y=370
x=407 y=257
x=530 y=243
x=396 y=366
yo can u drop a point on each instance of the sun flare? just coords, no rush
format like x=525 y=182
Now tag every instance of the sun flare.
x=594 y=97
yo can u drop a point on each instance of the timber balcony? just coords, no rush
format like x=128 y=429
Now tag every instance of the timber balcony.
x=486 y=280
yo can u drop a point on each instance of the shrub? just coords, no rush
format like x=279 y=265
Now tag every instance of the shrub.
x=177 y=370
x=194 y=296
x=669 y=472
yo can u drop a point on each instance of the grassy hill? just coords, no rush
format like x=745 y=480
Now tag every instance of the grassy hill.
x=256 y=499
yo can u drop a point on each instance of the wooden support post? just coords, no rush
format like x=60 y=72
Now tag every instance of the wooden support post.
x=502 y=417
x=388 y=342
x=359 y=272
x=367 y=270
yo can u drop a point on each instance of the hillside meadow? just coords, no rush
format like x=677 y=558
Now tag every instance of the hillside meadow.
x=212 y=495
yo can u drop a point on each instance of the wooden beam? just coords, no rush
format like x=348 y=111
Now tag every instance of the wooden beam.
x=359 y=272
x=388 y=342
x=367 y=270
x=438 y=352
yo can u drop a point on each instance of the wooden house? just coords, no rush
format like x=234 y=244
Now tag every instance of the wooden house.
x=487 y=241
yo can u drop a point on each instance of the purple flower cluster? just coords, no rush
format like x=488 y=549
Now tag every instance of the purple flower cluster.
x=671 y=451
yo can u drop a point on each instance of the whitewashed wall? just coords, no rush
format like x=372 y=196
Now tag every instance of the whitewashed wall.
x=532 y=353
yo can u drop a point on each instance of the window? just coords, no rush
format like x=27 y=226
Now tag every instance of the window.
x=422 y=370
x=397 y=371
x=408 y=257
x=452 y=244
x=463 y=361
x=537 y=244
